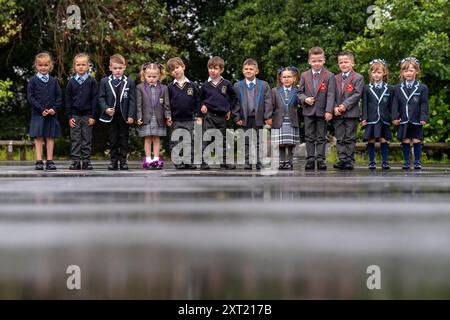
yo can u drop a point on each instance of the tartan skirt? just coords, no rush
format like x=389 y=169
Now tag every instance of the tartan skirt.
x=288 y=135
x=152 y=129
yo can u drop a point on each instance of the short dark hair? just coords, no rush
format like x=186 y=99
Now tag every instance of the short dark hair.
x=346 y=53
x=250 y=62
x=315 y=50
x=216 y=62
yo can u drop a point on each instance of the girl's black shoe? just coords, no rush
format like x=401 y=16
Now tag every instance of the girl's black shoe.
x=39 y=165
x=50 y=165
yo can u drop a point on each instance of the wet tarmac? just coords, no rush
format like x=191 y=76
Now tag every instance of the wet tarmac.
x=224 y=234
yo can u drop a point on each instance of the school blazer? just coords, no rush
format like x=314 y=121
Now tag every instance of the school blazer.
x=413 y=107
x=263 y=102
x=278 y=105
x=350 y=95
x=43 y=95
x=376 y=103
x=144 y=108
x=127 y=99
x=324 y=94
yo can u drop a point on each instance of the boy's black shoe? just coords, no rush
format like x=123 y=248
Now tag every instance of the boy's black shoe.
x=417 y=165
x=258 y=166
x=339 y=165
x=288 y=166
x=282 y=165
x=204 y=166
x=87 y=165
x=385 y=166
x=321 y=165
x=349 y=166
x=39 y=165
x=123 y=166
x=190 y=166
x=113 y=166
x=310 y=165
x=248 y=166
x=405 y=166
x=75 y=165
x=227 y=166
x=179 y=166
x=50 y=165
x=372 y=166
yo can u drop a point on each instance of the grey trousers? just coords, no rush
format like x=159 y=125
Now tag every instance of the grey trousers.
x=345 y=132
x=80 y=139
x=186 y=125
x=316 y=138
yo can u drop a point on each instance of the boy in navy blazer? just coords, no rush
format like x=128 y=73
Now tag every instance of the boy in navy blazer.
x=349 y=88
x=117 y=100
x=253 y=108
x=317 y=95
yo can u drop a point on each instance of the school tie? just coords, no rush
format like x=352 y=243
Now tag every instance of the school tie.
x=250 y=86
x=116 y=82
x=287 y=91
x=80 y=80
x=378 y=86
x=44 y=78
x=409 y=85
x=316 y=74
x=344 y=76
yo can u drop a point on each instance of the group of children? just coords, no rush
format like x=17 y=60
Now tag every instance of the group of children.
x=250 y=103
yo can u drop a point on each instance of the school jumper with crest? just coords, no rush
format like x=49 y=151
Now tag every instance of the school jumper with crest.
x=119 y=94
x=321 y=87
x=219 y=98
x=253 y=107
x=348 y=93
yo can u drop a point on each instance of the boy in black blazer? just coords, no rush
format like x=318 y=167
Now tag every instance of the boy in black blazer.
x=253 y=106
x=117 y=100
x=317 y=95
x=349 y=88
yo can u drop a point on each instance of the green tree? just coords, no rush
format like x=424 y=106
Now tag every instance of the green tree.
x=420 y=29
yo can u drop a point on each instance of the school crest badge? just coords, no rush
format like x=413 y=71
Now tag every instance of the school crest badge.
x=349 y=88
x=161 y=100
x=125 y=94
x=190 y=92
x=223 y=89
x=323 y=86
x=416 y=99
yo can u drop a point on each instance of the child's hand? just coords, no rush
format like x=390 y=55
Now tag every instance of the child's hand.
x=396 y=122
x=130 y=120
x=328 y=116
x=72 y=123
x=423 y=122
x=169 y=122
x=110 y=111
x=204 y=109
x=51 y=112
x=227 y=117
x=342 y=108
x=199 y=121
x=364 y=123
x=45 y=113
x=139 y=122
x=310 y=100
x=337 y=113
x=268 y=122
x=239 y=122
x=91 y=121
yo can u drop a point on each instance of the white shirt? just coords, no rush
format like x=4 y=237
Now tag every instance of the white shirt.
x=215 y=82
x=181 y=82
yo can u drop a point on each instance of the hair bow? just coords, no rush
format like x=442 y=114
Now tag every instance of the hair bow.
x=380 y=60
x=410 y=59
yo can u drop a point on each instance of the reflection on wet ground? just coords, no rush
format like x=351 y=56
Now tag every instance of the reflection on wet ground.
x=224 y=234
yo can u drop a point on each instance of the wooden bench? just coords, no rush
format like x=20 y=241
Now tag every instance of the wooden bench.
x=361 y=146
x=22 y=144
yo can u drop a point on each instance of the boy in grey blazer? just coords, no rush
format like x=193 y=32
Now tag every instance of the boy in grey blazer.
x=253 y=106
x=349 y=88
x=317 y=95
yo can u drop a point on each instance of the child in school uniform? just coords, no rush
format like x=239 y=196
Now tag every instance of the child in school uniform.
x=217 y=98
x=44 y=96
x=184 y=97
x=349 y=88
x=153 y=112
x=376 y=112
x=81 y=105
x=410 y=110
x=285 y=115
x=253 y=107
x=117 y=100
x=316 y=94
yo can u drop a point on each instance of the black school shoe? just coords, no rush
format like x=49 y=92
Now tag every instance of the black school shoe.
x=227 y=166
x=288 y=166
x=39 y=165
x=321 y=165
x=339 y=165
x=87 y=165
x=349 y=166
x=124 y=166
x=75 y=165
x=204 y=166
x=113 y=166
x=310 y=165
x=50 y=165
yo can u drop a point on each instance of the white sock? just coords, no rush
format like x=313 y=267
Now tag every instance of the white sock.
x=156 y=159
x=148 y=159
